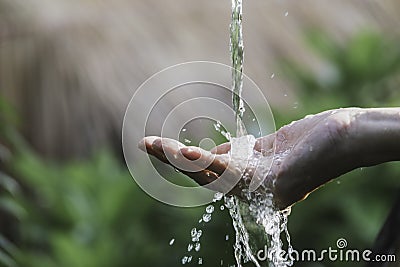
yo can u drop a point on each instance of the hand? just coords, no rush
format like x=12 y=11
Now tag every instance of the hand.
x=302 y=155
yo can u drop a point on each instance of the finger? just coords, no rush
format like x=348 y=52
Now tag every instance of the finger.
x=190 y=159
x=218 y=163
x=167 y=145
x=168 y=151
x=216 y=170
x=192 y=152
x=203 y=177
x=221 y=149
x=265 y=144
x=146 y=145
x=161 y=147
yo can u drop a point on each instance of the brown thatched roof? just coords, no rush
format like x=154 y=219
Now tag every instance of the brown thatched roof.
x=70 y=67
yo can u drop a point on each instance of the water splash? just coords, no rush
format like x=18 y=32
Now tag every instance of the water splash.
x=260 y=208
x=242 y=249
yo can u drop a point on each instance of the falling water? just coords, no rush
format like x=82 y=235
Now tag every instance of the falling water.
x=242 y=247
x=273 y=221
x=261 y=209
x=237 y=56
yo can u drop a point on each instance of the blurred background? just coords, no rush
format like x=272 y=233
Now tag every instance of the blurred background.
x=69 y=68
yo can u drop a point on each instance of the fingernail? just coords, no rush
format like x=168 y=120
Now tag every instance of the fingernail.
x=157 y=145
x=191 y=153
x=146 y=142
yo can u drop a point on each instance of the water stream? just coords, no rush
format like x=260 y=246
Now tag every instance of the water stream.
x=237 y=57
x=258 y=224
x=260 y=206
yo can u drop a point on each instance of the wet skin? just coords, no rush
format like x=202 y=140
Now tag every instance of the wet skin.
x=312 y=151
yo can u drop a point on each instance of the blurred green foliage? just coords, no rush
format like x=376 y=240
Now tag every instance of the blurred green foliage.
x=363 y=72
x=91 y=213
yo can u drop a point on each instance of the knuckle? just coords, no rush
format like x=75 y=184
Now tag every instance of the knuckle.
x=337 y=127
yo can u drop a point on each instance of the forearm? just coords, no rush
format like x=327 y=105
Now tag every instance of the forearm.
x=374 y=136
x=347 y=139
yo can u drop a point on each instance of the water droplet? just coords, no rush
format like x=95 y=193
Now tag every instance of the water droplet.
x=184 y=260
x=208 y=174
x=187 y=141
x=206 y=217
x=218 y=196
x=197 y=246
x=222 y=207
x=227 y=237
x=184 y=130
x=338 y=182
x=200 y=261
x=190 y=247
x=210 y=209
x=227 y=135
x=171 y=242
x=217 y=126
x=196 y=235
x=178 y=171
x=189 y=259
x=311 y=148
x=193 y=232
x=229 y=204
x=254 y=119
x=286 y=14
x=272 y=75
x=285 y=95
x=222 y=262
